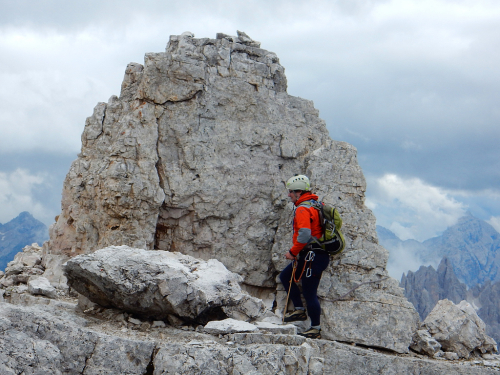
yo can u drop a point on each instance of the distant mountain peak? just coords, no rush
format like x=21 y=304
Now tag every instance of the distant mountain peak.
x=24 y=216
x=386 y=233
x=21 y=231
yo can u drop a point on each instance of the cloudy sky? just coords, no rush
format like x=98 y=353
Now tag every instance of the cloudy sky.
x=413 y=84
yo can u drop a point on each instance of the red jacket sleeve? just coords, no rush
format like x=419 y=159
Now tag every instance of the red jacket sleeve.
x=301 y=229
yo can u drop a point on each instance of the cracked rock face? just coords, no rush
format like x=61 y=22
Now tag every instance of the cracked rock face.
x=193 y=156
x=44 y=343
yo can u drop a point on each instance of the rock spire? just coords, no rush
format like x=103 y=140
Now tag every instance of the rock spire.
x=192 y=157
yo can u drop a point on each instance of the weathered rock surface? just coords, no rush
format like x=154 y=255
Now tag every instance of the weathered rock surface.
x=159 y=283
x=26 y=265
x=40 y=285
x=458 y=329
x=426 y=286
x=193 y=156
x=487 y=298
x=55 y=340
x=35 y=341
x=424 y=343
x=229 y=325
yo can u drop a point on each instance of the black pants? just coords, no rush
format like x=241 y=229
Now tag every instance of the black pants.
x=309 y=284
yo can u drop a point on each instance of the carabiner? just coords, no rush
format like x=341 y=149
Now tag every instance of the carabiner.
x=310 y=256
x=309 y=272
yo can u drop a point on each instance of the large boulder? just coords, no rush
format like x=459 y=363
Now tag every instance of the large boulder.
x=458 y=329
x=159 y=283
x=193 y=156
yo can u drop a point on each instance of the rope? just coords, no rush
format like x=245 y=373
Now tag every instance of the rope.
x=307 y=260
x=289 y=288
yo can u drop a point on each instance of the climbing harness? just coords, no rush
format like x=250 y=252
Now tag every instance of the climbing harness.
x=307 y=264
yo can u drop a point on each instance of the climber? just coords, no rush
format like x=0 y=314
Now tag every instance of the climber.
x=309 y=261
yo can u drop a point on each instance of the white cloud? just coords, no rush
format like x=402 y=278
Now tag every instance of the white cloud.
x=411 y=208
x=402 y=260
x=411 y=73
x=16 y=195
x=494 y=221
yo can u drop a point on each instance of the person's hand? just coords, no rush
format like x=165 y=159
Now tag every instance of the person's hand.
x=289 y=256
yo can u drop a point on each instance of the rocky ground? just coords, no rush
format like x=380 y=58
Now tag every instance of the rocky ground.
x=68 y=333
x=160 y=348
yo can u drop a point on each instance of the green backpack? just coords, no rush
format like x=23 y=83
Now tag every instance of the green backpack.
x=332 y=240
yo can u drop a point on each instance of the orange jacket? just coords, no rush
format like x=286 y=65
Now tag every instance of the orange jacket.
x=305 y=224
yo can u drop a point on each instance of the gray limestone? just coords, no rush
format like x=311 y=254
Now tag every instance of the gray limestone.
x=192 y=157
x=37 y=341
x=48 y=339
x=424 y=343
x=40 y=285
x=25 y=266
x=159 y=283
x=229 y=325
x=458 y=329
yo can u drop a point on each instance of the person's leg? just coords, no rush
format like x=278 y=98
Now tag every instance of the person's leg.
x=310 y=287
x=285 y=277
x=310 y=291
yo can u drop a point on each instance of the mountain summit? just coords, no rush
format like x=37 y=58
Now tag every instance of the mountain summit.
x=471 y=247
x=19 y=232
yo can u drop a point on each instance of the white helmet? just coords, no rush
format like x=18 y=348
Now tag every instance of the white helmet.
x=298 y=182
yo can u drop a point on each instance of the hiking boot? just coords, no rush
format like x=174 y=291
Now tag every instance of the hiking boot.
x=295 y=316
x=311 y=333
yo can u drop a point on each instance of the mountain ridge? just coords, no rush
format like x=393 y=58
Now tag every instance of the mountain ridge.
x=470 y=245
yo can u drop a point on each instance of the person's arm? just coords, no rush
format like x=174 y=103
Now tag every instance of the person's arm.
x=303 y=221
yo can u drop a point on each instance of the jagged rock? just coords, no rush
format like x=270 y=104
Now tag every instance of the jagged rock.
x=193 y=156
x=425 y=287
x=158 y=324
x=159 y=283
x=422 y=342
x=458 y=329
x=53 y=339
x=14 y=268
x=250 y=353
x=26 y=265
x=40 y=285
x=31 y=256
x=229 y=325
x=486 y=298
x=34 y=341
